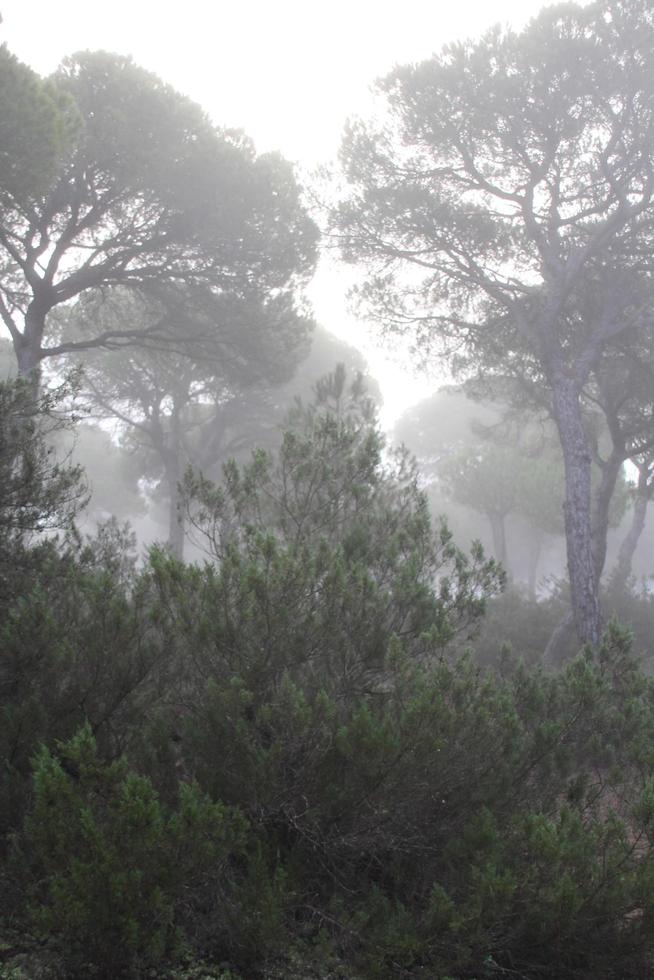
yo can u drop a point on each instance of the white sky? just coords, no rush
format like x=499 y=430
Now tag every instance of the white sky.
x=288 y=72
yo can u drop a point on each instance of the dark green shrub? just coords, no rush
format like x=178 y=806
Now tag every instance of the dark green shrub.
x=382 y=807
x=79 y=644
x=108 y=870
x=448 y=818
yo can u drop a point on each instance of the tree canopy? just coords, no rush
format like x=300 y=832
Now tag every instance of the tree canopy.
x=37 y=127
x=148 y=194
x=505 y=212
x=204 y=405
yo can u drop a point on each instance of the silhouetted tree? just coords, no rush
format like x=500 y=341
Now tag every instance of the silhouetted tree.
x=148 y=193
x=515 y=180
x=175 y=410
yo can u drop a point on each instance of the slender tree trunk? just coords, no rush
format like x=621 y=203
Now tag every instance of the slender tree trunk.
x=176 y=523
x=601 y=508
x=499 y=538
x=577 y=465
x=175 y=517
x=535 y=546
x=622 y=569
x=173 y=465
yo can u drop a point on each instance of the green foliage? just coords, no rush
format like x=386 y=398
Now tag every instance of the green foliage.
x=474 y=209
x=77 y=644
x=163 y=199
x=499 y=480
x=446 y=818
x=502 y=461
x=324 y=554
x=37 y=126
x=276 y=765
x=174 y=409
x=39 y=491
x=114 y=869
x=202 y=186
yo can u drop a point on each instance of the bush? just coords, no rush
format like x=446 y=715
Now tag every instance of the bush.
x=79 y=644
x=110 y=871
x=287 y=770
x=445 y=821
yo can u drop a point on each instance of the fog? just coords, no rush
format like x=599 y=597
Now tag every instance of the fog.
x=326 y=458
x=189 y=380
x=326 y=630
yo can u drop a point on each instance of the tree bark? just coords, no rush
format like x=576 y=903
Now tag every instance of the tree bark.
x=577 y=509
x=28 y=344
x=601 y=508
x=622 y=569
x=28 y=361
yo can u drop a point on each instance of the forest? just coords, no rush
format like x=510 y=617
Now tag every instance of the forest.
x=284 y=696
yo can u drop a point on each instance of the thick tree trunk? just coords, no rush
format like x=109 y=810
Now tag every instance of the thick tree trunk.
x=622 y=569
x=28 y=360
x=28 y=357
x=28 y=346
x=577 y=464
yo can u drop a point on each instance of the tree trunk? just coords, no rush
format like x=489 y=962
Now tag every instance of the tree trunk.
x=173 y=469
x=622 y=569
x=499 y=539
x=577 y=465
x=534 y=548
x=175 y=516
x=28 y=345
x=601 y=507
x=175 y=521
x=28 y=361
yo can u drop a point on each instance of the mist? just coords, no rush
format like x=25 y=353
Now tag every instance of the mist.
x=326 y=457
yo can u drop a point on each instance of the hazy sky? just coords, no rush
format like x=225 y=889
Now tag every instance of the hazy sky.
x=288 y=72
